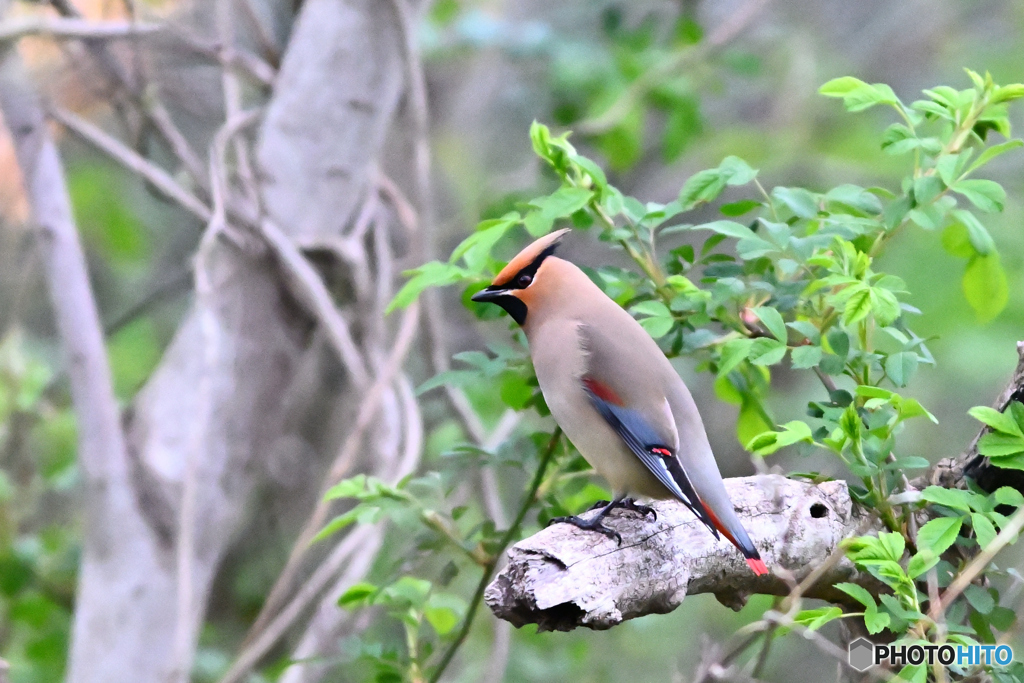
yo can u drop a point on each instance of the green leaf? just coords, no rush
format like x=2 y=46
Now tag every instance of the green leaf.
x=955 y=499
x=347 y=488
x=806 y=357
x=733 y=353
x=477 y=247
x=893 y=543
x=979 y=598
x=444 y=612
x=561 y=204
x=999 y=445
x=739 y=208
x=807 y=329
x=900 y=367
x=442 y=619
x=682 y=126
x=858 y=95
x=767 y=443
x=337 y=524
x=977 y=233
x=938 y=534
x=985 y=286
x=410 y=589
x=813 y=619
x=752 y=420
x=655 y=308
x=926 y=188
x=703 y=186
x=1005 y=495
x=432 y=274
x=798 y=200
x=885 y=307
x=874 y=620
x=736 y=171
x=840 y=87
x=357 y=595
x=565 y=202
x=910 y=407
x=858 y=593
x=772 y=319
x=987 y=195
x=1006 y=93
x=957 y=242
x=912 y=673
x=766 y=351
x=897 y=139
x=729 y=229
x=983 y=529
x=540 y=137
x=992 y=152
x=921 y=562
x=657 y=327
x=1001 y=422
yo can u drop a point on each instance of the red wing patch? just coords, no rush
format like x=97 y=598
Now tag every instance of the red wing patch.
x=663 y=452
x=602 y=391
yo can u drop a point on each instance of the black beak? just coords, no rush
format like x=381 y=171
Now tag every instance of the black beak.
x=504 y=298
x=485 y=295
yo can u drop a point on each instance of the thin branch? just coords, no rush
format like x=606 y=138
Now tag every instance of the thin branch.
x=165 y=291
x=72 y=29
x=724 y=34
x=1007 y=535
x=250 y=655
x=367 y=411
x=145 y=98
x=133 y=161
x=310 y=288
x=506 y=539
x=237 y=58
x=264 y=34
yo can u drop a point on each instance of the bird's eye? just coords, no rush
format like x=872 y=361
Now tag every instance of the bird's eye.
x=524 y=280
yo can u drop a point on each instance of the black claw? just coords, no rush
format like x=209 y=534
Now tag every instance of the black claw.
x=593 y=524
x=598 y=504
x=630 y=504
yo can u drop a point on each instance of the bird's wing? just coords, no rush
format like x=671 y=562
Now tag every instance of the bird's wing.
x=628 y=396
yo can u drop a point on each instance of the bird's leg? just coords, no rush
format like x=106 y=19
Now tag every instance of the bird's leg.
x=598 y=504
x=630 y=504
x=594 y=523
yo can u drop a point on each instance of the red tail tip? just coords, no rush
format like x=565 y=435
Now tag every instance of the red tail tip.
x=757 y=566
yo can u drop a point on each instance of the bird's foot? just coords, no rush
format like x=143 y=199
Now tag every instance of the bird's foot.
x=592 y=524
x=630 y=504
x=598 y=505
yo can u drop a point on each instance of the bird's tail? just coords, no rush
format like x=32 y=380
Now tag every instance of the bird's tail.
x=737 y=535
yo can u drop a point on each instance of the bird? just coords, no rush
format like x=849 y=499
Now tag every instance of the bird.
x=614 y=394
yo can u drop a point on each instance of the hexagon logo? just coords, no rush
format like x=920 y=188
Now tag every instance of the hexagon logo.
x=861 y=651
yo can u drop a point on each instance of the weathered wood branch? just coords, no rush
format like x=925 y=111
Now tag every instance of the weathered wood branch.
x=562 y=578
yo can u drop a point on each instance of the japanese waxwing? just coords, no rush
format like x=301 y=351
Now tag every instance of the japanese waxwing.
x=614 y=393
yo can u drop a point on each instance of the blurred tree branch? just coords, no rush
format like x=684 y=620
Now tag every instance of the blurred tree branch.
x=73 y=29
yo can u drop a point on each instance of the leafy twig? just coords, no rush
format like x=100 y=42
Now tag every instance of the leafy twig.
x=506 y=539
